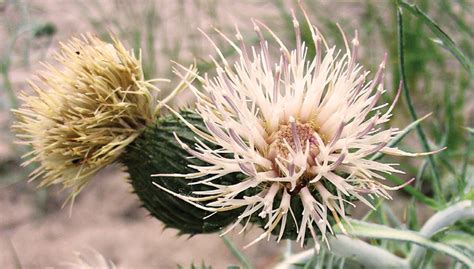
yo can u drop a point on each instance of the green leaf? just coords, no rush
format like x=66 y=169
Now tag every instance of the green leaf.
x=461 y=239
x=370 y=230
x=400 y=136
x=444 y=39
x=414 y=192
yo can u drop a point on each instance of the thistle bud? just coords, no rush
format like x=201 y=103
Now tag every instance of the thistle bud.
x=85 y=112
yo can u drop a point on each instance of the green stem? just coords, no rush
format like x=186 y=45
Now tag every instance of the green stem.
x=415 y=193
x=16 y=259
x=5 y=66
x=467 y=157
x=391 y=216
x=354 y=249
x=237 y=254
x=377 y=231
x=288 y=250
x=440 y=220
x=412 y=111
x=7 y=85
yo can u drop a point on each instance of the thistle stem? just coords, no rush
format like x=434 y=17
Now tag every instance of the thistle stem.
x=288 y=249
x=357 y=250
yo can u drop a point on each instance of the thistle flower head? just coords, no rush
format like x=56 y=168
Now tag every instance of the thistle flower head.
x=84 y=112
x=300 y=128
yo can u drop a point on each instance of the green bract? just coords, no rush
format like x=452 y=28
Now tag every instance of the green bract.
x=156 y=151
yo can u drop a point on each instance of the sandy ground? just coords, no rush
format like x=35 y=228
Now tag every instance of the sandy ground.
x=106 y=218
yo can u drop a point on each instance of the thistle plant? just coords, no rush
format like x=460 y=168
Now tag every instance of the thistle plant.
x=286 y=137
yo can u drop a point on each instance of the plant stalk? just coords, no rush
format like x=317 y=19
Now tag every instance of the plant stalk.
x=440 y=220
x=421 y=134
x=350 y=248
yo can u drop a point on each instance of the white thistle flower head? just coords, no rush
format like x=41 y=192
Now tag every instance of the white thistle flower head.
x=297 y=127
x=85 y=111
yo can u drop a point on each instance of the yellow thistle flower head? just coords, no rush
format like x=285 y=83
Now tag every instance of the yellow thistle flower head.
x=85 y=111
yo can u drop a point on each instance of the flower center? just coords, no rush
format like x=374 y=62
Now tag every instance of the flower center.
x=291 y=137
x=290 y=142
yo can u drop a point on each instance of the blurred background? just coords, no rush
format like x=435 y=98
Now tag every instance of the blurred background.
x=37 y=232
